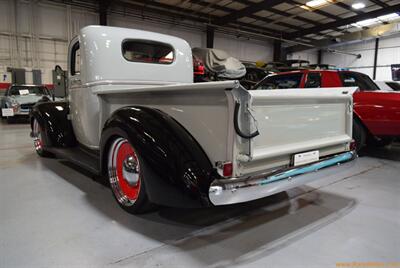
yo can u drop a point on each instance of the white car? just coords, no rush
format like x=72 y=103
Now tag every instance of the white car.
x=18 y=100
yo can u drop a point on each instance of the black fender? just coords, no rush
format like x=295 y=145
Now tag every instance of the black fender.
x=176 y=169
x=53 y=119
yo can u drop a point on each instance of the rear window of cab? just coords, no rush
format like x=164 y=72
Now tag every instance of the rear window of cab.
x=147 y=51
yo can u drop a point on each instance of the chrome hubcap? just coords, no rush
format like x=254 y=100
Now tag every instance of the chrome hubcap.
x=130 y=170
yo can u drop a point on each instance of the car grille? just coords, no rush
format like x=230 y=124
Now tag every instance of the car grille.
x=27 y=106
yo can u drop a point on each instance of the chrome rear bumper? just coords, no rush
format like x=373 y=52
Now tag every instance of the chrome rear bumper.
x=238 y=190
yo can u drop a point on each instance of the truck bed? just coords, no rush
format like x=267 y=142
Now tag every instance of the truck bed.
x=288 y=121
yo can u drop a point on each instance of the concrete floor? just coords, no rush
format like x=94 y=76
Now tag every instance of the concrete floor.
x=53 y=214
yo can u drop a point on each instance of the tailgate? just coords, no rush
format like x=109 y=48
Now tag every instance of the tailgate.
x=293 y=121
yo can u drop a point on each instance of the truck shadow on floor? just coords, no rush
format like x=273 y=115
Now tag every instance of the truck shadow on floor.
x=390 y=152
x=241 y=233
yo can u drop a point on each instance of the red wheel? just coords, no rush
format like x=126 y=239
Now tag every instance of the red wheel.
x=125 y=176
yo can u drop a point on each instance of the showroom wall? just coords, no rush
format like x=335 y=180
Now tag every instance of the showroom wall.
x=388 y=53
x=35 y=35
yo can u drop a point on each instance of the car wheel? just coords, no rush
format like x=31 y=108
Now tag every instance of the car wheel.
x=359 y=135
x=38 y=142
x=126 y=177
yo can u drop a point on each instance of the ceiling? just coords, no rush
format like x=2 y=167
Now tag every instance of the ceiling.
x=277 y=19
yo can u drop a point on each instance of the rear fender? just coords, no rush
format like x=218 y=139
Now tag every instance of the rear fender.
x=176 y=169
x=53 y=119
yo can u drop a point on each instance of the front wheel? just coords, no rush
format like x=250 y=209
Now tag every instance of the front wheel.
x=38 y=141
x=126 y=177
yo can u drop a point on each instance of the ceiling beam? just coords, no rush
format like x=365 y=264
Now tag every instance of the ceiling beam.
x=346 y=21
x=249 y=10
x=367 y=34
x=200 y=17
x=316 y=11
x=255 y=17
x=379 y=3
x=348 y=8
x=279 y=12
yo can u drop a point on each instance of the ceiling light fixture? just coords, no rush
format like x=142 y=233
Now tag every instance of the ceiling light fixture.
x=315 y=4
x=366 y=23
x=358 y=5
x=389 y=17
x=380 y=19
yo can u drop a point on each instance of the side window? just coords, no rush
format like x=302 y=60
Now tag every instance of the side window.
x=147 y=51
x=362 y=81
x=313 y=80
x=75 y=59
x=281 y=81
x=393 y=85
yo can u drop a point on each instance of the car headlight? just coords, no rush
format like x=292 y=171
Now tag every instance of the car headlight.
x=14 y=104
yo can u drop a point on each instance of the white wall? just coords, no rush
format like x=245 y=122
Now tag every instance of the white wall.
x=388 y=53
x=35 y=35
x=311 y=55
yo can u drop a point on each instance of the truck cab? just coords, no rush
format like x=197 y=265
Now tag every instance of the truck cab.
x=135 y=117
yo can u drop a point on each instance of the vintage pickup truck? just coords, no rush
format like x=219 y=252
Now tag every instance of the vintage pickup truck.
x=135 y=117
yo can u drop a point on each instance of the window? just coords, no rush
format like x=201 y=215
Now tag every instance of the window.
x=313 y=80
x=147 y=51
x=75 y=59
x=352 y=79
x=23 y=90
x=393 y=85
x=280 y=81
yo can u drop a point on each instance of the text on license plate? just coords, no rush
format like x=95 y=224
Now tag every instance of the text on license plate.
x=305 y=158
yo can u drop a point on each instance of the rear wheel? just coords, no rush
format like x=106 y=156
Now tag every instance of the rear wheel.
x=38 y=141
x=126 y=177
x=359 y=135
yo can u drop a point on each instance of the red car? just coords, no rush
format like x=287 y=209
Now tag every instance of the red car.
x=376 y=112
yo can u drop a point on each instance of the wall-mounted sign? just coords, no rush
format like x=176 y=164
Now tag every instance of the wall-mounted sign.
x=395 y=72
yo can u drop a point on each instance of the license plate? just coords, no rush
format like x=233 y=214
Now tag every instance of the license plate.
x=305 y=158
x=7 y=112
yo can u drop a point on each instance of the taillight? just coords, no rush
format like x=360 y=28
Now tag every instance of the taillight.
x=353 y=145
x=227 y=169
x=199 y=70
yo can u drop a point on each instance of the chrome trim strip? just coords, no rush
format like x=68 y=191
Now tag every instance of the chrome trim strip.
x=236 y=190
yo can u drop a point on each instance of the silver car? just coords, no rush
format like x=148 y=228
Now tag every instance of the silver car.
x=19 y=99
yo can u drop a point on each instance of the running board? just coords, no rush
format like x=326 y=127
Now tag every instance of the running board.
x=82 y=157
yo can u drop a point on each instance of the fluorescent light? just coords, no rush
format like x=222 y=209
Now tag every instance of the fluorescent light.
x=380 y=19
x=358 y=5
x=365 y=23
x=389 y=17
x=316 y=3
